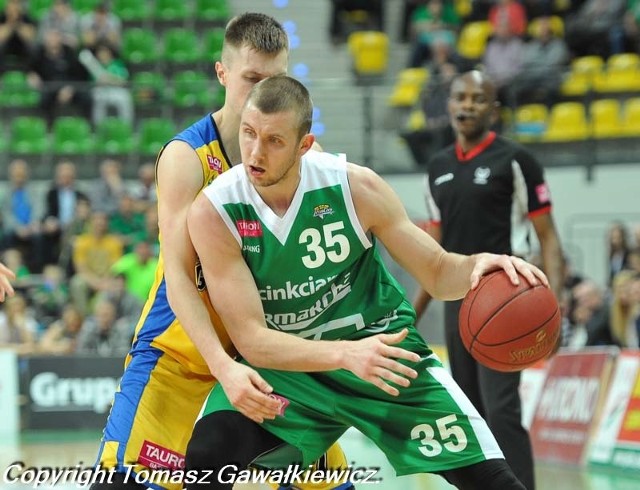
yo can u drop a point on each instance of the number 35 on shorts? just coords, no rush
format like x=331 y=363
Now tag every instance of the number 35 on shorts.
x=450 y=437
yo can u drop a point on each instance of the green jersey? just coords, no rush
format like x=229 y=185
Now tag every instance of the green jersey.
x=320 y=277
x=319 y=274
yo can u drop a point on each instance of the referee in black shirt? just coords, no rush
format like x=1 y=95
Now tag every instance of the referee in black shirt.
x=484 y=194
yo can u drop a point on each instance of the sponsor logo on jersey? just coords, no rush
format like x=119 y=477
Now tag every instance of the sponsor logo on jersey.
x=330 y=295
x=200 y=284
x=481 y=175
x=293 y=290
x=443 y=178
x=249 y=228
x=542 y=191
x=154 y=456
x=251 y=248
x=214 y=163
x=322 y=210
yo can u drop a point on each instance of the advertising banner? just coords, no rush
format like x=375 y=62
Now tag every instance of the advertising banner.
x=616 y=442
x=569 y=405
x=10 y=425
x=69 y=392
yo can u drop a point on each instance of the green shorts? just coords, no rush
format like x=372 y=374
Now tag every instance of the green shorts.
x=431 y=426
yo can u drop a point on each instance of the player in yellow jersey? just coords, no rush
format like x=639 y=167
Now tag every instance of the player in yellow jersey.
x=180 y=347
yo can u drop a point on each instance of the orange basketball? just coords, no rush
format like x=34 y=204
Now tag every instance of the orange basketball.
x=507 y=327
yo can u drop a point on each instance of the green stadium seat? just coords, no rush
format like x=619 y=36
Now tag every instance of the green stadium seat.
x=84 y=6
x=132 y=10
x=148 y=88
x=171 y=10
x=154 y=133
x=181 y=46
x=139 y=46
x=72 y=136
x=212 y=10
x=3 y=137
x=16 y=92
x=212 y=48
x=28 y=135
x=114 y=136
x=37 y=8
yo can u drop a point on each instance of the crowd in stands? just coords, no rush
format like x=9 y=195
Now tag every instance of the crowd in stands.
x=85 y=256
x=609 y=314
x=71 y=59
x=527 y=46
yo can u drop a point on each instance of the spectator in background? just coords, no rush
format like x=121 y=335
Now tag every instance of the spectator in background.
x=631 y=27
x=437 y=131
x=101 y=26
x=618 y=249
x=103 y=333
x=78 y=225
x=60 y=205
x=127 y=223
x=59 y=77
x=633 y=338
x=61 y=337
x=543 y=62
x=624 y=310
x=128 y=306
x=144 y=190
x=433 y=21
x=511 y=14
x=636 y=236
x=14 y=260
x=138 y=268
x=503 y=59
x=151 y=230
x=18 y=327
x=19 y=218
x=110 y=77
x=51 y=295
x=63 y=19
x=339 y=30
x=109 y=188
x=94 y=252
x=633 y=259
x=17 y=36
x=592 y=30
x=591 y=314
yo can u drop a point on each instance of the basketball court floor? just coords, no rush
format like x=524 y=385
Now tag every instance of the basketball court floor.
x=78 y=449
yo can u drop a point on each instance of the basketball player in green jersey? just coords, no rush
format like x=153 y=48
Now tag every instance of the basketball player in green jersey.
x=6 y=276
x=310 y=303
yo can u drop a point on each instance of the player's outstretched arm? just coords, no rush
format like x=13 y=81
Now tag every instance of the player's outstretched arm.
x=179 y=181
x=238 y=304
x=445 y=276
x=6 y=276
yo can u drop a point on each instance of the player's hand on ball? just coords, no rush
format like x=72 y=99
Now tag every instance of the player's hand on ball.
x=373 y=359
x=249 y=393
x=486 y=263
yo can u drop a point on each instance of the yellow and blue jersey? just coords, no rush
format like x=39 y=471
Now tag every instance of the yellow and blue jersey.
x=158 y=326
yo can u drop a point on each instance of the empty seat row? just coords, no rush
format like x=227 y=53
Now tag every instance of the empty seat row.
x=186 y=89
x=178 y=45
x=573 y=121
x=144 y=10
x=619 y=73
x=29 y=135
